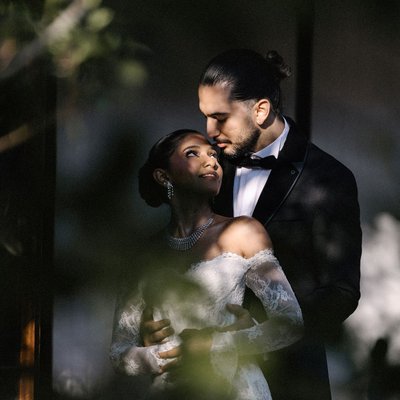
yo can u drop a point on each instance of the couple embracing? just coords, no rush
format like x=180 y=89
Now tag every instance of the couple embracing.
x=217 y=316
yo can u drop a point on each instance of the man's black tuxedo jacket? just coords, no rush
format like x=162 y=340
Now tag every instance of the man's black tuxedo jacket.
x=310 y=209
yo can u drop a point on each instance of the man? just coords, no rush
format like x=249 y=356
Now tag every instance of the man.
x=306 y=199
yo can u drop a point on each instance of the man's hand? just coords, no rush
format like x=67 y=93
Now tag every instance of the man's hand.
x=196 y=342
x=154 y=332
x=243 y=319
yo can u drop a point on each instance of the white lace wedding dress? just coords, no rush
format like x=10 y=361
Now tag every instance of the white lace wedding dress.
x=199 y=300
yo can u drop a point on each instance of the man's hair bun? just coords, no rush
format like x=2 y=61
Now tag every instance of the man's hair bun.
x=280 y=69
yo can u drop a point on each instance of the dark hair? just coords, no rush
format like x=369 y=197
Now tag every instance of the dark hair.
x=248 y=74
x=159 y=155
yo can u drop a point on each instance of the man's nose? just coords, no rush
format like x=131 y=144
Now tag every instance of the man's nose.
x=212 y=129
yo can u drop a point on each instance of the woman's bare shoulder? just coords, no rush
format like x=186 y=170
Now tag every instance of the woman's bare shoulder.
x=237 y=225
x=245 y=224
x=244 y=235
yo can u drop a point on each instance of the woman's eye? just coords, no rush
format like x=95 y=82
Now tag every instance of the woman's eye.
x=215 y=155
x=191 y=153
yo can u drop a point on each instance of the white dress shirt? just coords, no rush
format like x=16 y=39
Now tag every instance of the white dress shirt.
x=249 y=183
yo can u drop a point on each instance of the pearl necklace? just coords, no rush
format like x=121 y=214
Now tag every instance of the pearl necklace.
x=188 y=242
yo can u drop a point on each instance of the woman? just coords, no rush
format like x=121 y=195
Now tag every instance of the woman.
x=213 y=259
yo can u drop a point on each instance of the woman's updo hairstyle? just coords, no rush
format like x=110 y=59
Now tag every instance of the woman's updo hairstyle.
x=152 y=192
x=248 y=75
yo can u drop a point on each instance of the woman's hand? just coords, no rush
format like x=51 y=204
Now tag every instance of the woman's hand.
x=243 y=319
x=198 y=342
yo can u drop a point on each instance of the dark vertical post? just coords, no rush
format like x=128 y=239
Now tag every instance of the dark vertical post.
x=43 y=389
x=44 y=384
x=27 y=187
x=305 y=31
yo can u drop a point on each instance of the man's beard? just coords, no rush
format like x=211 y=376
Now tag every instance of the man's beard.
x=244 y=148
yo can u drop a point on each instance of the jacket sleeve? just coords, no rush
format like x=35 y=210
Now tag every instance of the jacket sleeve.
x=336 y=252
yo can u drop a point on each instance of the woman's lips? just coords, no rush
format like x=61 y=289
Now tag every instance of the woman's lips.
x=213 y=175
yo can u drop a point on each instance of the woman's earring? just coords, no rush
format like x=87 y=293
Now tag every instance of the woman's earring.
x=170 y=190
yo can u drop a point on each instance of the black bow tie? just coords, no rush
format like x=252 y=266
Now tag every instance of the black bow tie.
x=261 y=163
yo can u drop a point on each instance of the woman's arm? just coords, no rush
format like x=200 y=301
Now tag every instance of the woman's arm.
x=127 y=354
x=267 y=280
x=284 y=325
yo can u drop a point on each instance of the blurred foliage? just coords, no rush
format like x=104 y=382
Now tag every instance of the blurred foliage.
x=82 y=39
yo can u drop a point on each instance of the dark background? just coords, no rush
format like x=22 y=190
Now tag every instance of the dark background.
x=345 y=59
x=101 y=144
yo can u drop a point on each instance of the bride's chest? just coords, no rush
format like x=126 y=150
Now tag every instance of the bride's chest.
x=221 y=275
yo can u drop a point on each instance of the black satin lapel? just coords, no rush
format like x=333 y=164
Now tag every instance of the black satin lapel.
x=295 y=146
x=223 y=203
x=290 y=162
x=279 y=183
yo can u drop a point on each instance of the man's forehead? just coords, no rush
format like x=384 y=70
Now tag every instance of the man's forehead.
x=214 y=100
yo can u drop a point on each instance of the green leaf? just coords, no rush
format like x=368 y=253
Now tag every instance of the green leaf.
x=99 y=19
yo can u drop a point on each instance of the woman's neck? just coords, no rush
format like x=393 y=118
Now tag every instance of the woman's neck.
x=184 y=220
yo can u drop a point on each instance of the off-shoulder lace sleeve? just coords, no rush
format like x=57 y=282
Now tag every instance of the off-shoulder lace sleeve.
x=284 y=325
x=127 y=353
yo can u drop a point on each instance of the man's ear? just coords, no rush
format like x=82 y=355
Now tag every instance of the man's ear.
x=262 y=111
x=160 y=176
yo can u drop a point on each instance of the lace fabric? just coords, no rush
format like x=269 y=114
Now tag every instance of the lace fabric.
x=199 y=300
